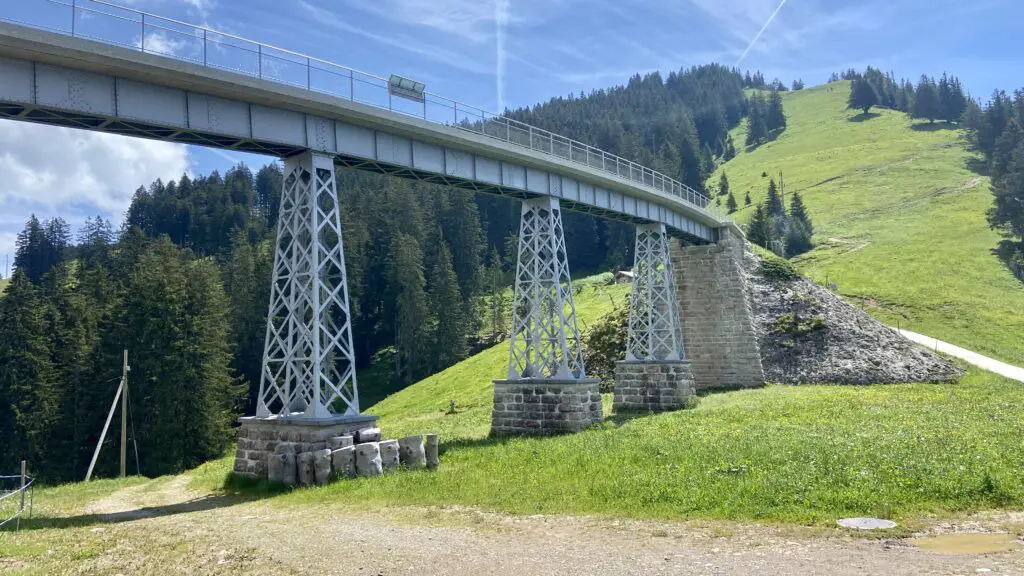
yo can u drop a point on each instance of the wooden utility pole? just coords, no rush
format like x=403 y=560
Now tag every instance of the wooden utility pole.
x=124 y=411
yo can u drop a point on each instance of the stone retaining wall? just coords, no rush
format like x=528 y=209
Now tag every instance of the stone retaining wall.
x=538 y=407
x=652 y=386
x=718 y=330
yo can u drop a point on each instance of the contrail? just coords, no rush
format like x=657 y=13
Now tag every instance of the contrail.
x=761 y=31
x=501 y=21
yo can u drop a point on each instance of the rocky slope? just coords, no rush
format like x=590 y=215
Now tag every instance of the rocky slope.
x=808 y=335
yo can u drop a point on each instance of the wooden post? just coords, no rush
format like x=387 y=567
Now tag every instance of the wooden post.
x=124 y=412
x=23 y=482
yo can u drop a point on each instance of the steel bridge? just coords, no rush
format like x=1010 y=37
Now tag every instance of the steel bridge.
x=94 y=65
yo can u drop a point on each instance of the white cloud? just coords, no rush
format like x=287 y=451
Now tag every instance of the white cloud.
x=52 y=171
x=501 y=17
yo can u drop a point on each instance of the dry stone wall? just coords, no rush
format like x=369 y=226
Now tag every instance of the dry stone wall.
x=539 y=407
x=652 y=386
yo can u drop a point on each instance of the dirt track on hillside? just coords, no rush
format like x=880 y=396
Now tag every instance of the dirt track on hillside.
x=165 y=529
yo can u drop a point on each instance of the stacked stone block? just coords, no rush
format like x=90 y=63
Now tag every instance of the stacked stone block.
x=258 y=439
x=538 y=407
x=718 y=329
x=652 y=386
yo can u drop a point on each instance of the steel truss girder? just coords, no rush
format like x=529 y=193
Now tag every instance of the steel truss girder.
x=308 y=357
x=655 y=330
x=545 y=341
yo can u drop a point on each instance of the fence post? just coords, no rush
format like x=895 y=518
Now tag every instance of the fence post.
x=22 y=507
x=73 y=9
x=143 y=32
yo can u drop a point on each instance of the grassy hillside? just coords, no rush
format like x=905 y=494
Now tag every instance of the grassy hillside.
x=899 y=218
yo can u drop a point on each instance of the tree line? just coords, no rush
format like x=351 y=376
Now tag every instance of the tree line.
x=995 y=130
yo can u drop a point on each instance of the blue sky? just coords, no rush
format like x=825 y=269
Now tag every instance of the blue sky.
x=495 y=53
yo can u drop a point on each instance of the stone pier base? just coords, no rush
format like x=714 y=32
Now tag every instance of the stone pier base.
x=259 y=437
x=652 y=386
x=541 y=406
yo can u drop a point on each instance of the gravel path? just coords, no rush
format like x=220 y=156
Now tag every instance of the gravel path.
x=990 y=364
x=280 y=537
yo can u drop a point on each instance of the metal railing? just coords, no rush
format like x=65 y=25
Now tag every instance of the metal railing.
x=13 y=490
x=113 y=24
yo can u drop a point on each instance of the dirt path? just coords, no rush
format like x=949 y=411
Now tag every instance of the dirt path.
x=222 y=536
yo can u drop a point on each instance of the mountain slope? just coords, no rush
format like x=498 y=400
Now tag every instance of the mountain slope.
x=899 y=218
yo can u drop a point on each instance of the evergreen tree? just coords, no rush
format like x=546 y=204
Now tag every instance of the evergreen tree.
x=798 y=85
x=862 y=96
x=1007 y=215
x=759 y=230
x=730 y=204
x=730 y=149
x=774 y=205
x=448 y=337
x=32 y=252
x=776 y=115
x=723 y=185
x=757 y=126
x=746 y=199
x=926 y=101
x=27 y=379
x=800 y=230
x=409 y=314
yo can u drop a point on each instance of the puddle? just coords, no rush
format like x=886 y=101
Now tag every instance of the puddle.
x=967 y=543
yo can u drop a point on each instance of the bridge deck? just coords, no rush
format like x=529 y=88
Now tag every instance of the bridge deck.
x=55 y=78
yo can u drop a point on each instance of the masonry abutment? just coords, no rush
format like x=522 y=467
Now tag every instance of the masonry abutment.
x=714 y=306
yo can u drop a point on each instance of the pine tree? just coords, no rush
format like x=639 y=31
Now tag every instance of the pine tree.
x=776 y=115
x=926 y=101
x=757 y=127
x=799 y=230
x=1008 y=187
x=798 y=84
x=759 y=230
x=730 y=204
x=31 y=253
x=410 y=315
x=723 y=185
x=862 y=96
x=730 y=149
x=448 y=337
x=27 y=378
x=773 y=205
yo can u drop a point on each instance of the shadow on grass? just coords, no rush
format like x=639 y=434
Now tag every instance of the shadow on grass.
x=977 y=165
x=237 y=490
x=862 y=117
x=933 y=126
x=1005 y=251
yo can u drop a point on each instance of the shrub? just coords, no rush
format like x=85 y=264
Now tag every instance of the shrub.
x=775 y=268
x=604 y=344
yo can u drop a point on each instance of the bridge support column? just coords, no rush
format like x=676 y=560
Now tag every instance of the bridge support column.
x=308 y=386
x=655 y=375
x=547 y=391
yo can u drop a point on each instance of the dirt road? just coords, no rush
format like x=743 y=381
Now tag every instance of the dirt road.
x=165 y=529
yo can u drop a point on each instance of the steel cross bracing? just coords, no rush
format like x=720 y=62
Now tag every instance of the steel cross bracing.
x=308 y=358
x=655 y=331
x=545 y=340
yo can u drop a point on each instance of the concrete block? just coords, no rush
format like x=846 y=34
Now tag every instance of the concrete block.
x=368 y=461
x=304 y=461
x=389 y=455
x=343 y=462
x=411 y=452
x=368 y=435
x=340 y=442
x=322 y=466
x=433 y=461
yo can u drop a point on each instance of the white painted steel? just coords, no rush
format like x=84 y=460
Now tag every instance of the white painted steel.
x=545 y=340
x=309 y=359
x=655 y=328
